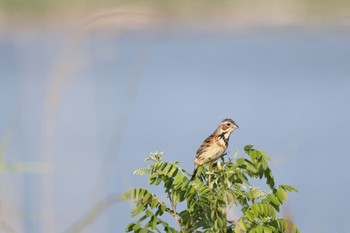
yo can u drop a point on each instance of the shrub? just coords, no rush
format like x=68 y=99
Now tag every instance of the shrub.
x=202 y=205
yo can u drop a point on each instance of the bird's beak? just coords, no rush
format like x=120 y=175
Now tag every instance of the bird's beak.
x=236 y=126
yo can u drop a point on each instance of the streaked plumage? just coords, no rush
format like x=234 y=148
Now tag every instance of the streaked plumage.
x=215 y=145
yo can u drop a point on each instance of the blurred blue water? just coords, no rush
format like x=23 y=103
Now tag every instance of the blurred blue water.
x=136 y=93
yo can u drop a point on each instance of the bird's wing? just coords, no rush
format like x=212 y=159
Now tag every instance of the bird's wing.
x=204 y=147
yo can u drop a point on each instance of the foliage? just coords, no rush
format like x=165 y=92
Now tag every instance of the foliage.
x=203 y=205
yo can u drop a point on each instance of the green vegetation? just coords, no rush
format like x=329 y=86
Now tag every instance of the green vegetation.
x=238 y=10
x=206 y=204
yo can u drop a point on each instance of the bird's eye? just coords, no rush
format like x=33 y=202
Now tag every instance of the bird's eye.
x=228 y=124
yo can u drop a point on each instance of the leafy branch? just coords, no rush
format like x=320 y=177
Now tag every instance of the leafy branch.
x=217 y=189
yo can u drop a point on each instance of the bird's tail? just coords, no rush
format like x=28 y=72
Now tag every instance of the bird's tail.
x=194 y=172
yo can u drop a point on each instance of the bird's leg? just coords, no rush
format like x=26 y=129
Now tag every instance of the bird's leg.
x=222 y=157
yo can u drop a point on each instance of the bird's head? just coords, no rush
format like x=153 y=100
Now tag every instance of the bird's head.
x=227 y=126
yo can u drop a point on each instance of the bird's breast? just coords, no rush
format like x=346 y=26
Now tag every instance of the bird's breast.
x=220 y=142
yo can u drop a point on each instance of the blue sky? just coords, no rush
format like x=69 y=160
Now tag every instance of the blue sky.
x=131 y=94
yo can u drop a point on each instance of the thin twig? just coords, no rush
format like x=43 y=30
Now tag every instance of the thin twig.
x=174 y=214
x=210 y=169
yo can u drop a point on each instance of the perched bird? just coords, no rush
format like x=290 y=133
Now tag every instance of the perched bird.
x=215 y=145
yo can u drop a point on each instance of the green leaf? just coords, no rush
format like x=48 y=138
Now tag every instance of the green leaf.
x=264 y=165
x=289 y=188
x=143 y=171
x=250 y=167
x=146 y=197
x=148 y=213
x=161 y=208
x=254 y=154
x=241 y=186
x=158 y=180
x=260 y=211
x=136 y=226
x=241 y=225
x=255 y=193
x=154 y=203
x=236 y=154
x=152 y=179
x=178 y=179
x=162 y=166
x=144 y=230
x=247 y=148
x=240 y=161
x=137 y=209
x=258 y=229
x=249 y=215
x=264 y=155
x=184 y=183
x=281 y=194
x=267 y=229
x=173 y=171
x=130 y=227
x=153 y=222
x=273 y=199
x=168 y=169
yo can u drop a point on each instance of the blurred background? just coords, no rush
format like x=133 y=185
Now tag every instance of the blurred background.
x=89 y=88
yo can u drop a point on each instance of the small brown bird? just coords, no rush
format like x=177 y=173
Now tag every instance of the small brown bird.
x=215 y=145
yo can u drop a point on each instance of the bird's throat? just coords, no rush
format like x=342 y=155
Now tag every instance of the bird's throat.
x=224 y=137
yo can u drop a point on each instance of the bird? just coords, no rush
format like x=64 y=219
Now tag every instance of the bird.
x=215 y=145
